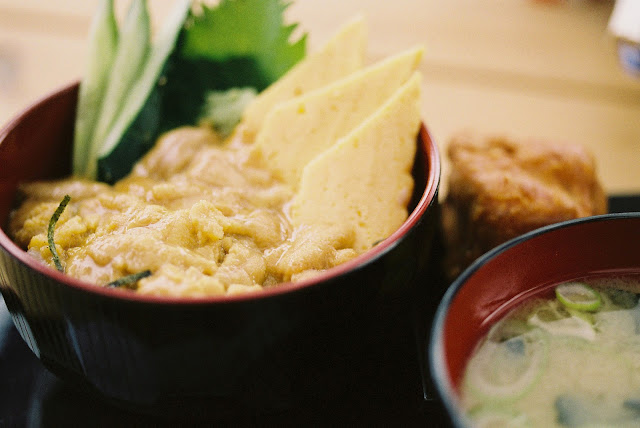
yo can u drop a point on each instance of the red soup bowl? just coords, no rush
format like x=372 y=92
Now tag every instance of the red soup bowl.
x=270 y=349
x=526 y=266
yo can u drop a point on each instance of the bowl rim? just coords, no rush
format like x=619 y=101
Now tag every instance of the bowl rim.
x=436 y=360
x=432 y=163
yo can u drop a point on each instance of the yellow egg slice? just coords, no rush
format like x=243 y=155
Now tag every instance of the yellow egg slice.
x=296 y=131
x=364 y=179
x=343 y=54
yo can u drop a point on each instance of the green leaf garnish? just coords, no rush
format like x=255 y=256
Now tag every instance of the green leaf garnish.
x=237 y=44
x=124 y=281
x=245 y=29
x=50 y=231
x=129 y=279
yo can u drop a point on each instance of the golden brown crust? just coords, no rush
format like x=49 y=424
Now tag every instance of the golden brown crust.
x=500 y=188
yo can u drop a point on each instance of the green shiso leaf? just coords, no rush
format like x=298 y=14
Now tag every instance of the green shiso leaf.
x=237 y=44
x=245 y=29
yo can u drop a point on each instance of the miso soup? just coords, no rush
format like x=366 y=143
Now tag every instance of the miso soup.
x=568 y=359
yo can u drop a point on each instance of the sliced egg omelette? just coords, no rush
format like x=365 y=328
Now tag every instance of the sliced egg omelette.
x=343 y=54
x=298 y=130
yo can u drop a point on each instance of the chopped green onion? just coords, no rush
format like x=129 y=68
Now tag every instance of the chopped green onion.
x=573 y=325
x=129 y=279
x=496 y=416
x=508 y=370
x=508 y=328
x=52 y=225
x=579 y=296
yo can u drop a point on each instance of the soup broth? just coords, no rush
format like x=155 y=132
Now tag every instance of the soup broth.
x=566 y=360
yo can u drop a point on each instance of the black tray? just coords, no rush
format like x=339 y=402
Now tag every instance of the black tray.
x=31 y=396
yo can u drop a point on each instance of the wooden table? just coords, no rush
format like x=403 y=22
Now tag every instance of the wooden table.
x=513 y=67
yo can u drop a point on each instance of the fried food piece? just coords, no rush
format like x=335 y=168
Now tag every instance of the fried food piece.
x=500 y=188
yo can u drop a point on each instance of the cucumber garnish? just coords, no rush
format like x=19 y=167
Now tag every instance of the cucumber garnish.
x=126 y=82
x=103 y=42
x=133 y=90
x=128 y=65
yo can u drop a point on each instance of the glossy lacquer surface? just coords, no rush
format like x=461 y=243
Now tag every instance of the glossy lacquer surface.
x=347 y=339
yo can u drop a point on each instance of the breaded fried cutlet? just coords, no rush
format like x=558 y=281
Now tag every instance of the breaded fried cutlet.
x=500 y=188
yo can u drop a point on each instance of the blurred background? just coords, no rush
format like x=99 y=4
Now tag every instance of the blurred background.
x=520 y=68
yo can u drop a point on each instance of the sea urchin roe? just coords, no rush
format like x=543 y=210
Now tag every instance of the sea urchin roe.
x=547 y=364
x=194 y=212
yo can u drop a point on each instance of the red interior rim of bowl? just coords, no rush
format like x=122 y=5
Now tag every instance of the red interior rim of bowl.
x=444 y=373
x=432 y=168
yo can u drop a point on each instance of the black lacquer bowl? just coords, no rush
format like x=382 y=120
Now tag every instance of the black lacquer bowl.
x=351 y=328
